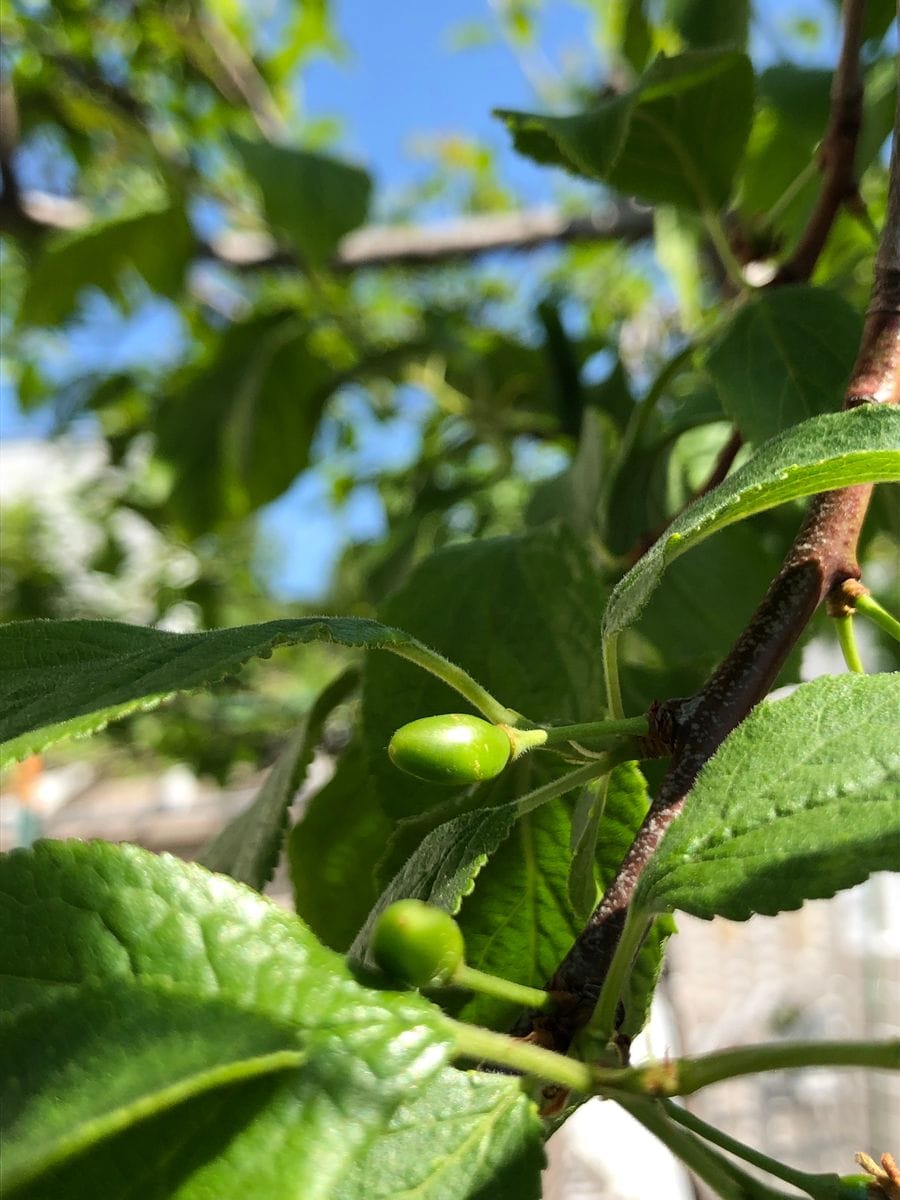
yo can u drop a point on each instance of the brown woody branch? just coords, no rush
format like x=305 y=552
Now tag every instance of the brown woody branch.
x=837 y=152
x=820 y=562
x=381 y=245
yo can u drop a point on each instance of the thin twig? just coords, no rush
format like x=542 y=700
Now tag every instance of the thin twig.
x=231 y=69
x=383 y=245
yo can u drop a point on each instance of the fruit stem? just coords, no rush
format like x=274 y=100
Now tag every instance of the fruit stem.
x=472 y=1041
x=627 y=726
x=501 y=989
x=719 y=239
x=461 y=681
x=523 y=740
x=821 y=1187
x=847 y=639
x=611 y=675
x=633 y=934
x=684 y=1076
x=869 y=607
x=725 y=1178
x=565 y=783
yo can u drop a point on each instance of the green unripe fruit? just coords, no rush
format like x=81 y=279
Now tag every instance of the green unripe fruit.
x=417 y=943
x=454 y=749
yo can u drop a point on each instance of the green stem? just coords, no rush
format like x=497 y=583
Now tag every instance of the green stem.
x=724 y=1177
x=640 y=417
x=627 y=726
x=847 y=640
x=460 y=680
x=820 y=1187
x=565 y=783
x=799 y=181
x=719 y=239
x=523 y=740
x=474 y=1042
x=611 y=674
x=870 y=608
x=633 y=933
x=682 y=1077
x=501 y=989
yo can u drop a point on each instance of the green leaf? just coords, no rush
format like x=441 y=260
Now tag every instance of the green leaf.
x=156 y=243
x=575 y=495
x=80 y=919
x=445 y=866
x=81 y=1066
x=636 y=34
x=69 y=678
x=778 y=183
x=519 y=922
x=312 y=198
x=587 y=814
x=466 y=1141
x=520 y=611
x=248 y=848
x=238 y=431
x=676 y=138
x=831 y=451
x=802 y=343
x=711 y=22
x=587 y=143
x=677 y=240
x=332 y=851
x=520 y=853
x=799 y=802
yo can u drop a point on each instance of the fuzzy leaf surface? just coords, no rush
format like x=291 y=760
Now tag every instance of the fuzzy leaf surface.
x=801 y=801
x=70 y=678
x=193 y=962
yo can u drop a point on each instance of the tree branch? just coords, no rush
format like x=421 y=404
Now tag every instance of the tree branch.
x=837 y=153
x=220 y=56
x=383 y=245
x=821 y=559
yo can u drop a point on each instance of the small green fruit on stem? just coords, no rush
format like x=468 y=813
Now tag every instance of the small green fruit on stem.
x=418 y=943
x=422 y=945
x=456 y=749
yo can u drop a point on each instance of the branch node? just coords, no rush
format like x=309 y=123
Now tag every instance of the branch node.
x=841 y=599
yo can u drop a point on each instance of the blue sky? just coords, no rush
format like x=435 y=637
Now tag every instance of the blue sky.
x=402 y=78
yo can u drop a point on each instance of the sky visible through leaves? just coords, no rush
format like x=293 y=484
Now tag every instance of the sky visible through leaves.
x=419 y=73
